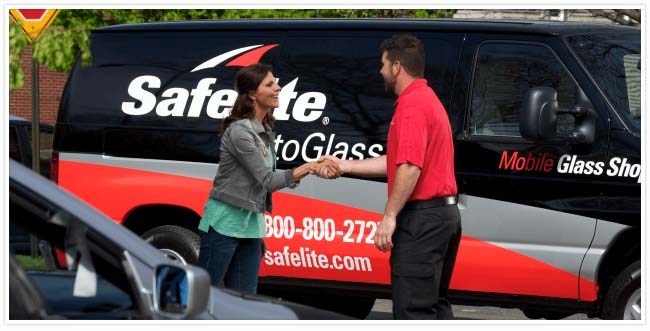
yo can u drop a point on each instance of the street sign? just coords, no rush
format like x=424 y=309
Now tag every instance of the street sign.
x=35 y=21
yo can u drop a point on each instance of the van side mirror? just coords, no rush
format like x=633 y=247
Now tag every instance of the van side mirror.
x=538 y=118
x=182 y=292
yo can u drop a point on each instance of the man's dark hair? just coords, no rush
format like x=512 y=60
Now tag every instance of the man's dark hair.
x=408 y=50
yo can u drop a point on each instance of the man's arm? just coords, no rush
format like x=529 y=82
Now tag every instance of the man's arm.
x=406 y=177
x=372 y=167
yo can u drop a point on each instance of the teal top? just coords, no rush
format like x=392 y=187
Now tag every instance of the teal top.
x=233 y=221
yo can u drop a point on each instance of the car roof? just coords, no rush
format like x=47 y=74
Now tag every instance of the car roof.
x=450 y=25
x=18 y=119
x=38 y=185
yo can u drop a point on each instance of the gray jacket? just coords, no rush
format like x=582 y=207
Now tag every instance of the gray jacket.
x=243 y=179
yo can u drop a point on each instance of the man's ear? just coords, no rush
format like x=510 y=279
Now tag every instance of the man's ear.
x=397 y=67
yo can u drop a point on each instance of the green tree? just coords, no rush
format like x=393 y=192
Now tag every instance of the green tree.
x=68 y=35
x=630 y=17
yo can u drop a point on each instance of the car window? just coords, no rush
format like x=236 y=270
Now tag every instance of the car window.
x=45 y=145
x=114 y=298
x=504 y=74
x=46 y=136
x=14 y=145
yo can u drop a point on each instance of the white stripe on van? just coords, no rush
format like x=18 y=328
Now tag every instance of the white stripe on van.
x=215 y=61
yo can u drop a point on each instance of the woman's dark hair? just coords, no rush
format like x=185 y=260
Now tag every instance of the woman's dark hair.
x=247 y=80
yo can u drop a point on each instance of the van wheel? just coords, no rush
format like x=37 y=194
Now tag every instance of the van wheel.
x=623 y=299
x=177 y=243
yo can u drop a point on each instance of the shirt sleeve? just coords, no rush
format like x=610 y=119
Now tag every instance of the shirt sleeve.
x=412 y=136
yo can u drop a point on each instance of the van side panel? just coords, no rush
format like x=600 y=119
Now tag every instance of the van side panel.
x=319 y=231
x=139 y=127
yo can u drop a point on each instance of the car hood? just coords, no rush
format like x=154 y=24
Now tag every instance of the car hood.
x=228 y=304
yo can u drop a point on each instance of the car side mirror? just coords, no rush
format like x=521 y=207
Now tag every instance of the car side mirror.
x=538 y=118
x=182 y=292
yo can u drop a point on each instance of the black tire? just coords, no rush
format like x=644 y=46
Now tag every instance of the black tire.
x=175 y=242
x=548 y=315
x=623 y=299
x=357 y=307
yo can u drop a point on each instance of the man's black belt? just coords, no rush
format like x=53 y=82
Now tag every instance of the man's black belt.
x=431 y=203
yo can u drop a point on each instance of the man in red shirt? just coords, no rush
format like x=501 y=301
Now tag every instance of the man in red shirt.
x=421 y=225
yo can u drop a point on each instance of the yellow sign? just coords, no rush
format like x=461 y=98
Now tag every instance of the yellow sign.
x=35 y=21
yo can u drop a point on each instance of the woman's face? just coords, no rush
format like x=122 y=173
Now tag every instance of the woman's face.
x=267 y=94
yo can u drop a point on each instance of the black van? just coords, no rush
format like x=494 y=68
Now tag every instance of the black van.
x=547 y=124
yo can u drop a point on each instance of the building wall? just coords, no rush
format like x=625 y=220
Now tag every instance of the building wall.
x=50 y=88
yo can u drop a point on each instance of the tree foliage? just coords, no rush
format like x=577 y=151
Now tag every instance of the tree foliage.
x=68 y=35
x=621 y=16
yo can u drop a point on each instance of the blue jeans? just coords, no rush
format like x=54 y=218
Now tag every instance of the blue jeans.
x=233 y=262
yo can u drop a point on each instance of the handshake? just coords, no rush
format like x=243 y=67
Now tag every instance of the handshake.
x=327 y=167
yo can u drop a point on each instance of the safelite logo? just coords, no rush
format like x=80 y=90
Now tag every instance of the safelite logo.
x=173 y=101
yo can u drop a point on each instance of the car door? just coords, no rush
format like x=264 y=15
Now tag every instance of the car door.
x=528 y=208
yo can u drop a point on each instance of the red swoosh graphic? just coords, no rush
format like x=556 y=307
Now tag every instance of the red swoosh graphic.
x=251 y=57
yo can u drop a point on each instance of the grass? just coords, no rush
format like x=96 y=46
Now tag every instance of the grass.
x=29 y=263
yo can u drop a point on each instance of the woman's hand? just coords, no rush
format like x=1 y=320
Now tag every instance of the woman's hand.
x=328 y=169
x=325 y=169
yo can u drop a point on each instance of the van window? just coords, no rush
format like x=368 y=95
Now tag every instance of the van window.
x=614 y=61
x=504 y=74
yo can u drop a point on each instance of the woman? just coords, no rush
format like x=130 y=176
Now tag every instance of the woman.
x=233 y=221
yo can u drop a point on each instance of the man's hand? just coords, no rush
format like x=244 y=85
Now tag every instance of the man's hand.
x=384 y=235
x=328 y=169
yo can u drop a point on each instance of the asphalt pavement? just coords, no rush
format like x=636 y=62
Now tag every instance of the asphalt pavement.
x=382 y=311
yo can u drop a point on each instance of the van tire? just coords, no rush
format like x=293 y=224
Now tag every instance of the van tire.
x=175 y=242
x=623 y=300
x=547 y=315
x=357 y=307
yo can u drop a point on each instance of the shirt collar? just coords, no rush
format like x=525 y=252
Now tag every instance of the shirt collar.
x=416 y=84
x=257 y=127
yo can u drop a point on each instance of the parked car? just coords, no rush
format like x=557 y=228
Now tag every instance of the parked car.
x=546 y=119
x=20 y=143
x=20 y=149
x=112 y=273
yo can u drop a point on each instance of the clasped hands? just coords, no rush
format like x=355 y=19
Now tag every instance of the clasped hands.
x=327 y=167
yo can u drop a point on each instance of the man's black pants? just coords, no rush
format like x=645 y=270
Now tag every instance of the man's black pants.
x=425 y=243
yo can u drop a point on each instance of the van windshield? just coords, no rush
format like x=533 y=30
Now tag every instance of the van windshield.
x=614 y=61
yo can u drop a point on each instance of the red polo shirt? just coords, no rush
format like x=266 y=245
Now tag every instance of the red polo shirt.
x=420 y=134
